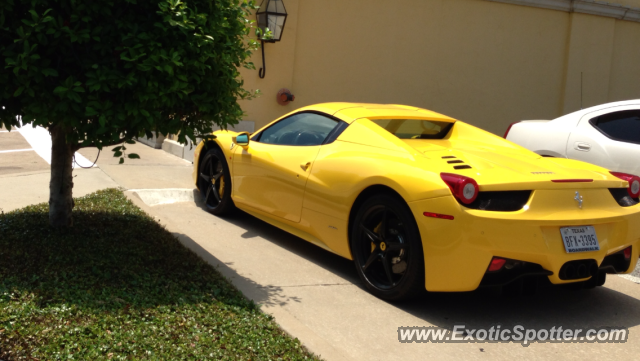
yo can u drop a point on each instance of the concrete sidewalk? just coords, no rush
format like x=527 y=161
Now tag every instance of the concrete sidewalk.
x=317 y=296
x=25 y=176
x=22 y=189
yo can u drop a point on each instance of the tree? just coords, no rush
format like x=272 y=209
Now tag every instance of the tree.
x=98 y=73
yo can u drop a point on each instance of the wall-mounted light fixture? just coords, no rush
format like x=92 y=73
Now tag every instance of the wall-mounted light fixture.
x=271 y=17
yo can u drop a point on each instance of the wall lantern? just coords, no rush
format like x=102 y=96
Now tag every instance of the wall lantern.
x=271 y=16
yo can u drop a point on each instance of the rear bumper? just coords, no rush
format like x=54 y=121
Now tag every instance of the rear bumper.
x=457 y=252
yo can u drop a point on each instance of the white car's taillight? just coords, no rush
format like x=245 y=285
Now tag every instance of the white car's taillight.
x=634 y=183
x=508 y=129
x=465 y=189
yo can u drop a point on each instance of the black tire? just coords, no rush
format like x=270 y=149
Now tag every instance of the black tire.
x=387 y=248
x=214 y=182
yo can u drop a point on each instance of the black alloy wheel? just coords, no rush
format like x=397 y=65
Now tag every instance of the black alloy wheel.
x=214 y=182
x=387 y=248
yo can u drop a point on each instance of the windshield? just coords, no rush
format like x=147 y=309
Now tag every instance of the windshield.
x=415 y=128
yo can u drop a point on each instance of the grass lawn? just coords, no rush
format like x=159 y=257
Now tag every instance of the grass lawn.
x=118 y=286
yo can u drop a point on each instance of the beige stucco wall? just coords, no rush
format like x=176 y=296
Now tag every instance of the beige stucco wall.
x=625 y=64
x=588 y=57
x=483 y=62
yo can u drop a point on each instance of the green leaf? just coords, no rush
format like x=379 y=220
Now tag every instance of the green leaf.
x=121 y=161
x=133 y=156
x=117 y=148
x=60 y=90
x=74 y=96
x=49 y=72
x=145 y=113
x=18 y=91
x=117 y=154
x=130 y=141
x=34 y=15
x=89 y=111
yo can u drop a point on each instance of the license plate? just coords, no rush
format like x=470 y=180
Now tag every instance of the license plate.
x=579 y=239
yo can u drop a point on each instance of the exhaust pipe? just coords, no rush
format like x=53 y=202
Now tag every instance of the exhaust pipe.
x=582 y=271
x=570 y=272
x=593 y=270
x=579 y=269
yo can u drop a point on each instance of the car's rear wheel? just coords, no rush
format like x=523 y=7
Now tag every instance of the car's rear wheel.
x=387 y=248
x=214 y=182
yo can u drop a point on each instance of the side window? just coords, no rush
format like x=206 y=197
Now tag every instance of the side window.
x=623 y=126
x=299 y=129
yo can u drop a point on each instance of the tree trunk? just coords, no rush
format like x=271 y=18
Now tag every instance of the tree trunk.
x=61 y=184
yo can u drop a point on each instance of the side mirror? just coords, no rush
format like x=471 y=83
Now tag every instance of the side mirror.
x=242 y=139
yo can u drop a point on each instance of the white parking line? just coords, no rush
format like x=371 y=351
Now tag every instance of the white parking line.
x=16 y=150
x=4 y=131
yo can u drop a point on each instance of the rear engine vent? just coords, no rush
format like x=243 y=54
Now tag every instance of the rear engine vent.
x=621 y=195
x=505 y=201
x=448 y=157
x=462 y=167
x=454 y=162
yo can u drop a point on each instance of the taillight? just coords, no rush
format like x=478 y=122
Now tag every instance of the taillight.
x=634 y=183
x=508 y=129
x=496 y=264
x=627 y=253
x=465 y=189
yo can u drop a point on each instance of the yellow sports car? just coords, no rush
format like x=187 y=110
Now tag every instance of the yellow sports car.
x=419 y=200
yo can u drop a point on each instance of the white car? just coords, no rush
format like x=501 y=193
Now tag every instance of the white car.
x=607 y=135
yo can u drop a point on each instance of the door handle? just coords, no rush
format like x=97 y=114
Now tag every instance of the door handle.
x=585 y=147
x=305 y=166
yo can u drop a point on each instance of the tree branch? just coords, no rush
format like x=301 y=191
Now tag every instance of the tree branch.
x=93 y=144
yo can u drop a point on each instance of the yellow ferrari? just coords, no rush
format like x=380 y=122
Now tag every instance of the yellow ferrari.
x=419 y=200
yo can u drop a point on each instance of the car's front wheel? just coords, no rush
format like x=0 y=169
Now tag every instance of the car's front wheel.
x=214 y=182
x=387 y=248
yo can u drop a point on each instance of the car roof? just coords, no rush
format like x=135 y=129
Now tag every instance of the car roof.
x=352 y=111
x=580 y=113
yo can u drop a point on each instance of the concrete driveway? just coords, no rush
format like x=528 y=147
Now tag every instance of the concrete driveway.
x=317 y=296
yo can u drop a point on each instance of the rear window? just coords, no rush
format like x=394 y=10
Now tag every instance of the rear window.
x=415 y=128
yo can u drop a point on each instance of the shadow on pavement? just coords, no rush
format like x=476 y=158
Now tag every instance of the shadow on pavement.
x=255 y=227
x=550 y=307
x=263 y=295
